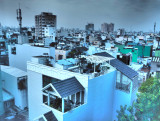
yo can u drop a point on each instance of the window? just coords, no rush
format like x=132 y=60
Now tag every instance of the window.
x=13 y=50
x=45 y=99
x=47 y=80
x=22 y=83
x=60 y=57
x=122 y=82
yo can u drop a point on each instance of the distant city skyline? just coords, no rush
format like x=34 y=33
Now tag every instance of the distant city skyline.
x=137 y=15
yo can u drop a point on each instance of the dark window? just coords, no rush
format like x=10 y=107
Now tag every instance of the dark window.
x=13 y=50
x=45 y=99
x=60 y=57
x=47 y=80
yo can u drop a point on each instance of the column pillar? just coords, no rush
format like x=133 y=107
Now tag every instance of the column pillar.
x=62 y=105
x=80 y=97
x=48 y=99
x=75 y=99
x=94 y=67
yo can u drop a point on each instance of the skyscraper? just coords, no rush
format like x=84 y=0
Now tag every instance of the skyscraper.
x=110 y=27
x=43 y=20
x=106 y=28
x=90 y=27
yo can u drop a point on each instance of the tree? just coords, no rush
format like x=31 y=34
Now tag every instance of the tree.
x=147 y=105
x=126 y=114
x=145 y=86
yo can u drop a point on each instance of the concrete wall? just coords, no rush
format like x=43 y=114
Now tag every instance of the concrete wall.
x=99 y=105
x=80 y=113
x=1 y=97
x=121 y=98
x=101 y=97
x=61 y=52
x=10 y=83
x=24 y=54
x=35 y=98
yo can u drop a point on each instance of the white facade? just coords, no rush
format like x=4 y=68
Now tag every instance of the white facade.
x=10 y=78
x=100 y=92
x=50 y=32
x=25 y=52
x=35 y=72
x=22 y=39
x=61 y=54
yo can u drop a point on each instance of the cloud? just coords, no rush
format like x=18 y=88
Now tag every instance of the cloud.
x=76 y=13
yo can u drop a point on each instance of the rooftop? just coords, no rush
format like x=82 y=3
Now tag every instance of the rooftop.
x=120 y=66
x=13 y=71
x=68 y=87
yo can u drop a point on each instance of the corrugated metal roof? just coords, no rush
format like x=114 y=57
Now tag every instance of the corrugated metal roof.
x=68 y=87
x=50 y=116
x=120 y=66
x=13 y=71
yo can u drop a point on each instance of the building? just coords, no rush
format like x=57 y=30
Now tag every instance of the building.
x=90 y=27
x=14 y=82
x=110 y=27
x=155 y=67
x=41 y=21
x=106 y=28
x=1 y=98
x=121 y=32
x=50 y=34
x=80 y=93
x=20 y=54
x=61 y=54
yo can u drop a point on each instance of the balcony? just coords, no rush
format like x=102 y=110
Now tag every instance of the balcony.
x=63 y=95
x=62 y=105
x=124 y=87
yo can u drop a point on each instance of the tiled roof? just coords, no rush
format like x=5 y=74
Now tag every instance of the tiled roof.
x=68 y=87
x=120 y=66
x=50 y=116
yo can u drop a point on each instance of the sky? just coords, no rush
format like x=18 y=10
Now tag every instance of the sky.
x=133 y=15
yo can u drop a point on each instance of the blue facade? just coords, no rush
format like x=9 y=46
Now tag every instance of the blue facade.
x=99 y=106
x=101 y=97
x=103 y=100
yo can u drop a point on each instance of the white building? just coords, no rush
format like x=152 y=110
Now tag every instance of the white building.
x=14 y=81
x=61 y=54
x=20 y=54
x=50 y=34
x=93 y=95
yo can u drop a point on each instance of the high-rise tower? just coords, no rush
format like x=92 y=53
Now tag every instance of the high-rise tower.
x=43 y=20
